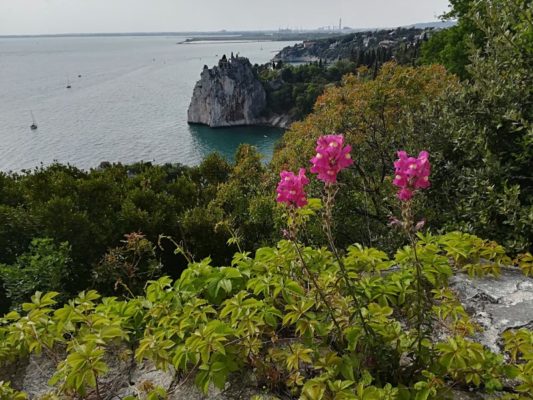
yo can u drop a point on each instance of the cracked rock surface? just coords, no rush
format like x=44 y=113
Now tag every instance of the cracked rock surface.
x=496 y=304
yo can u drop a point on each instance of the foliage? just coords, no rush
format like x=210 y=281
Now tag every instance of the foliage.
x=478 y=132
x=149 y=392
x=8 y=393
x=451 y=47
x=525 y=262
x=93 y=210
x=244 y=204
x=489 y=181
x=293 y=89
x=377 y=116
x=265 y=314
x=128 y=267
x=44 y=267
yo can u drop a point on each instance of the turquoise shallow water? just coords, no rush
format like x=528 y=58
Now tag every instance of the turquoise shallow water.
x=130 y=103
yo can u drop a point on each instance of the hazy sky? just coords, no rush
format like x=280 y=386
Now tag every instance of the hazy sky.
x=62 y=16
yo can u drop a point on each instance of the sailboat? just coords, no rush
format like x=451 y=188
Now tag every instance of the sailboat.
x=33 y=125
x=68 y=83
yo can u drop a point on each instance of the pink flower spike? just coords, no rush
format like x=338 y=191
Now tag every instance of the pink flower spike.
x=331 y=157
x=411 y=174
x=405 y=194
x=291 y=188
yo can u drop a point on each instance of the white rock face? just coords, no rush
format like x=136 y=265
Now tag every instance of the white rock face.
x=228 y=95
x=497 y=304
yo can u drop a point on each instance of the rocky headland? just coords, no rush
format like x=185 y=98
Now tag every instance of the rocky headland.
x=236 y=93
x=230 y=94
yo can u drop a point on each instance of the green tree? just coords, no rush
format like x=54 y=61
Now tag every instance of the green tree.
x=453 y=47
x=399 y=109
x=43 y=267
x=448 y=47
x=488 y=178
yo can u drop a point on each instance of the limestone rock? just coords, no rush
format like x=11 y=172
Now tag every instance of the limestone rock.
x=228 y=95
x=497 y=304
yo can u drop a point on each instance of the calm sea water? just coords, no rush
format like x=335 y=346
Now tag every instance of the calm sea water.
x=130 y=103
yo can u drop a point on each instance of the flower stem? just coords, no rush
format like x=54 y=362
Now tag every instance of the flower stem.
x=328 y=218
x=292 y=236
x=319 y=290
x=409 y=228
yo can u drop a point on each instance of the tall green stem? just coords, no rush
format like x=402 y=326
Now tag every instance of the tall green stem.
x=419 y=291
x=409 y=228
x=328 y=221
x=319 y=290
x=293 y=237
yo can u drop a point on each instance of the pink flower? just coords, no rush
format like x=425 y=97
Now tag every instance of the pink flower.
x=291 y=188
x=405 y=194
x=330 y=158
x=411 y=174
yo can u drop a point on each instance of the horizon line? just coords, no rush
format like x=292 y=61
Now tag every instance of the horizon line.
x=220 y=31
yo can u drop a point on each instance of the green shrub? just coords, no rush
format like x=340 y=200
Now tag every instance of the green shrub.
x=44 y=267
x=271 y=315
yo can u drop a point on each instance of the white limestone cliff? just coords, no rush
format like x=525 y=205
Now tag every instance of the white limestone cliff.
x=228 y=95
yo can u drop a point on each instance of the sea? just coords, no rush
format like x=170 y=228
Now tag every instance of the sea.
x=127 y=102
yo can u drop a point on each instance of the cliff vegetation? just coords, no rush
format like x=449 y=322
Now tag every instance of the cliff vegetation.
x=392 y=260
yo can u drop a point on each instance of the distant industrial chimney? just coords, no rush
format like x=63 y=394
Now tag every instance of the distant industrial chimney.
x=340 y=24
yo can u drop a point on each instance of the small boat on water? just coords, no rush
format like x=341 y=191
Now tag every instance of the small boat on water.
x=68 y=83
x=33 y=125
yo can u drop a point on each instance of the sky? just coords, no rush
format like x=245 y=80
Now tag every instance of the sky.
x=91 y=16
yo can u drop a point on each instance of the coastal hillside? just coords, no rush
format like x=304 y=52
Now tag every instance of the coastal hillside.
x=235 y=93
x=279 y=93
x=385 y=253
x=359 y=47
x=232 y=94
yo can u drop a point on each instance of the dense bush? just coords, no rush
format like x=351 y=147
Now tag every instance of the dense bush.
x=93 y=210
x=44 y=267
x=377 y=116
x=488 y=179
x=478 y=131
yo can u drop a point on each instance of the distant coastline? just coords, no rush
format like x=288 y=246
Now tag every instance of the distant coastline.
x=270 y=35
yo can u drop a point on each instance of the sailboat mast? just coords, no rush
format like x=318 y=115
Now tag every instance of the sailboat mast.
x=33 y=125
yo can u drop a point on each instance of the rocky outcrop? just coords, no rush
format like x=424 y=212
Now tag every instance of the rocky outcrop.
x=128 y=378
x=229 y=94
x=496 y=304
